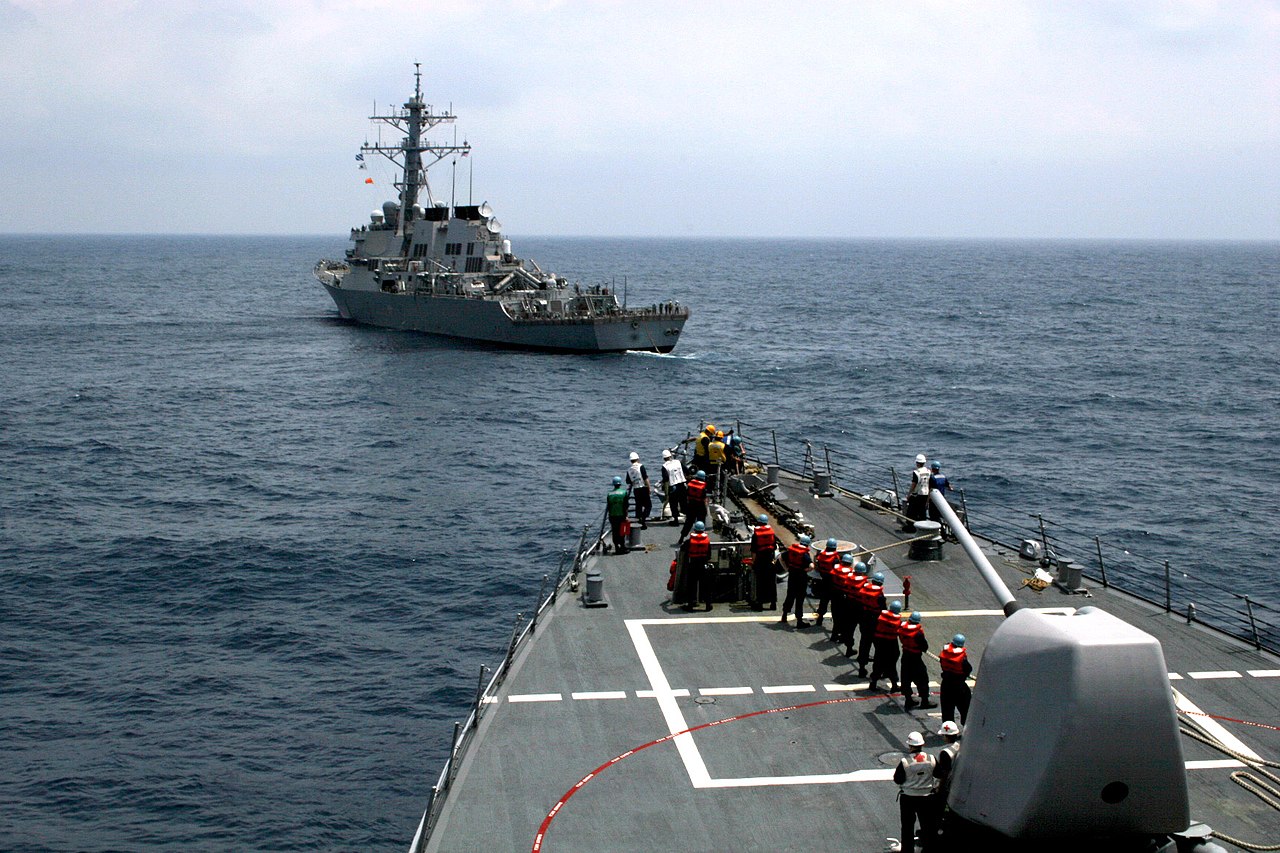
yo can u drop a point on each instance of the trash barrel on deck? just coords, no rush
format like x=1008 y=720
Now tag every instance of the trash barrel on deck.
x=771 y=474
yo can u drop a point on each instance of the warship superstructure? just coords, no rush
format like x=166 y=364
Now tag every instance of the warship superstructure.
x=424 y=265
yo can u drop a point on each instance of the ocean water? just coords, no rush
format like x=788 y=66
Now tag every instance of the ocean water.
x=253 y=557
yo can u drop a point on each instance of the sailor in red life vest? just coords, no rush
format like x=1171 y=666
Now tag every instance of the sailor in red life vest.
x=871 y=597
x=853 y=617
x=697 y=551
x=955 y=669
x=886 y=644
x=825 y=563
x=764 y=546
x=841 y=592
x=914 y=776
x=695 y=498
x=797 y=560
x=914 y=645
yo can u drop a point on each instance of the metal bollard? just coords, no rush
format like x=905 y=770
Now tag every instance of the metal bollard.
x=594 y=595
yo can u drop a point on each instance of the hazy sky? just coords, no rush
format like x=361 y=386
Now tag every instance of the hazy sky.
x=814 y=119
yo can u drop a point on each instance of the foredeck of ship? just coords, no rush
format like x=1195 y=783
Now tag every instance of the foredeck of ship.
x=785 y=749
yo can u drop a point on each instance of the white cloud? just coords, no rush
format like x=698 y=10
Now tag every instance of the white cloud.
x=596 y=117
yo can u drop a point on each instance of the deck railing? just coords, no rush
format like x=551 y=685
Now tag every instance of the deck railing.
x=571 y=565
x=1159 y=581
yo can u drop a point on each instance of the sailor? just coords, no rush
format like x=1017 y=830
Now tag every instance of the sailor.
x=700 y=447
x=696 y=502
x=638 y=482
x=797 y=560
x=914 y=776
x=871 y=597
x=764 y=547
x=697 y=554
x=673 y=485
x=938 y=482
x=955 y=669
x=735 y=454
x=918 y=496
x=616 y=506
x=886 y=643
x=914 y=645
x=825 y=562
x=715 y=460
x=841 y=592
x=854 y=588
x=943 y=767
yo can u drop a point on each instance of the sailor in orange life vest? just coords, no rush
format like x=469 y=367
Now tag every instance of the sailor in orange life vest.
x=871 y=597
x=914 y=776
x=841 y=591
x=695 y=498
x=886 y=643
x=763 y=555
x=797 y=560
x=955 y=693
x=914 y=645
x=825 y=562
x=697 y=551
x=853 y=583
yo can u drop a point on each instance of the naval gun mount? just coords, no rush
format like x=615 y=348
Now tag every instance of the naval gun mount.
x=1071 y=740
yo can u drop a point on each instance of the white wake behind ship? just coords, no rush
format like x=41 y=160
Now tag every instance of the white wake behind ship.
x=422 y=265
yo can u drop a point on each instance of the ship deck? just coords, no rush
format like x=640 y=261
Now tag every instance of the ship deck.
x=784 y=746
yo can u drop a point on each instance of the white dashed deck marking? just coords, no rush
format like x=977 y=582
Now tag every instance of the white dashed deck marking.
x=536 y=697
x=1215 y=764
x=725 y=691
x=1173 y=676
x=678 y=693
x=601 y=694
x=1265 y=673
x=789 y=688
x=1224 y=673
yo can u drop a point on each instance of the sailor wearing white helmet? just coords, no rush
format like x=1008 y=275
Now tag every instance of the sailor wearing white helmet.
x=673 y=485
x=943 y=766
x=638 y=480
x=914 y=776
x=918 y=496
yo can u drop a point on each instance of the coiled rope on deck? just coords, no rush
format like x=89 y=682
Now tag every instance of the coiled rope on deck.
x=1269 y=794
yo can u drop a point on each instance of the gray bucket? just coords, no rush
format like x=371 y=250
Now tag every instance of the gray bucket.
x=771 y=473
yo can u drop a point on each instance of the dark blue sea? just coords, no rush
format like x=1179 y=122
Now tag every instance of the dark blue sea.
x=253 y=557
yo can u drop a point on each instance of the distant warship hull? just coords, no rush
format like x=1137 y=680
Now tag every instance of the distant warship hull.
x=484 y=320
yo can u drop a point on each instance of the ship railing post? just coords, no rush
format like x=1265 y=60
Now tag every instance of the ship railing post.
x=511 y=646
x=1168 y=591
x=453 y=755
x=964 y=509
x=1191 y=612
x=1253 y=625
x=826 y=454
x=537 y=605
x=897 y=494
x=1044 y=539
x=1102 y=567
x=476 y=705
x=777 y=459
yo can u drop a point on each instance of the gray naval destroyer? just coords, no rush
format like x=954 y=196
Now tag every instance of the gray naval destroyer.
x=425 y=266
x=1102 y=719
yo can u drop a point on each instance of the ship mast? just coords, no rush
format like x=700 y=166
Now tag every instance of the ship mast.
x=414 y=155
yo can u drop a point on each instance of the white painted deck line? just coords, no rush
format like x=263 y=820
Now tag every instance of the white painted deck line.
x=600 y=694
x=789 y=688
x=836 y=688
x=693 y=763
x=678 y=693
x=1264 y=673
x=1224 y=673
x=1212 y=726
x=725 y=691
x=1215 y=764
x=536 y=697
x=774 y=617
x=1173 y=676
